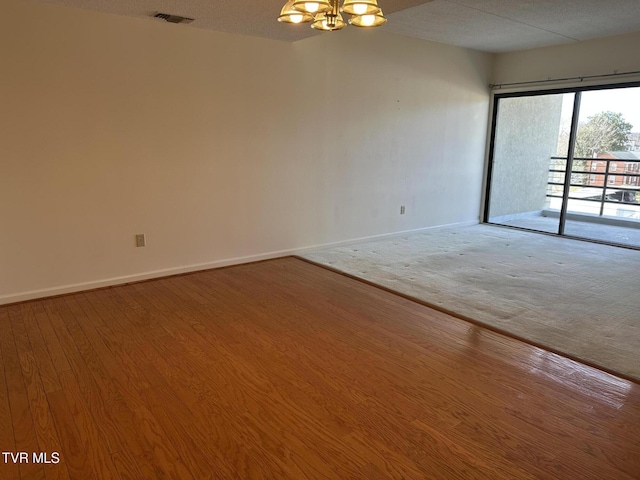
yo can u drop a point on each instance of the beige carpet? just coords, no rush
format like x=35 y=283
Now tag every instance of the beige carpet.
x=578 y=298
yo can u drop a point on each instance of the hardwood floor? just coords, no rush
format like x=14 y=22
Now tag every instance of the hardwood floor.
x=285 y=370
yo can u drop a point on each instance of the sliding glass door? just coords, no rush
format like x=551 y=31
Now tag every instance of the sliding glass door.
x=605 y=201
x=529 y=160
x=567 y=162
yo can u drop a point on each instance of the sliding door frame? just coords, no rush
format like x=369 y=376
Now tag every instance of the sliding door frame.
x=577 y=90
x=568 y=169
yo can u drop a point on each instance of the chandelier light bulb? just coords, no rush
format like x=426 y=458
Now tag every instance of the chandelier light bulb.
x=368 y=20
x=312 y=7
x=288 y=14
x=359 y=8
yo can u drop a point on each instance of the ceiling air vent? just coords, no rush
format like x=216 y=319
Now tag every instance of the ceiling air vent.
x=173 y=18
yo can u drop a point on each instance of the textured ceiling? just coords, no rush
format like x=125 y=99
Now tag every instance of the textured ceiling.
x=245 y=17
x=507 y=25
x=488 y=25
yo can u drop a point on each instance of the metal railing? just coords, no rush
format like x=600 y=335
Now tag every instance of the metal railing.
x=591 y=184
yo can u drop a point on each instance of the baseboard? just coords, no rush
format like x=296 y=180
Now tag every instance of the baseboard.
x=381 y=236
x=109 y=282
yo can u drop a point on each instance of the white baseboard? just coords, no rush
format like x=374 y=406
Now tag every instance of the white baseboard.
x=109 y=282
x=379 y=237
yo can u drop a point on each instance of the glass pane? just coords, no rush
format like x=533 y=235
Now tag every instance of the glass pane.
x=605 y=197
x=529 y=161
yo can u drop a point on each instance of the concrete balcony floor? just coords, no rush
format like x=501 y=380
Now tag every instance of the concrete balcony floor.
x=580 y=226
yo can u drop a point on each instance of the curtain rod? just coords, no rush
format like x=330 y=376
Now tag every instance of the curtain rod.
x=566 y=79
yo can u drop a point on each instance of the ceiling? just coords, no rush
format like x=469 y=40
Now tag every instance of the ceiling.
x=487 y=25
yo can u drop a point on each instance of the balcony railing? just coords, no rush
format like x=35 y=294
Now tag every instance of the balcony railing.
x=607 y=181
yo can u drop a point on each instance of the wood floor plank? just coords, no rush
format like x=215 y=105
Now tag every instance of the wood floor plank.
x=78 y=465
x=32 y=369
x=141 y=433
x=118 y=344
x=282 y=369
x=44 y=425
x=95 y=411
x=49 y=339
x=149 y=358
x=46 y=369
x=94 y=451
x=80 y=403
x=173 y=432
x=156 y=423
x=23 y=426
x=7 y=439
x=234 y=407
x=247 y=402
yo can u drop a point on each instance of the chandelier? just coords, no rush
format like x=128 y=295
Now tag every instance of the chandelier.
x=326 y=14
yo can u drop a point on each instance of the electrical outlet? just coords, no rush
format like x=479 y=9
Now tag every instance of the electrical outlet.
x=140 y=241
x=402 y=210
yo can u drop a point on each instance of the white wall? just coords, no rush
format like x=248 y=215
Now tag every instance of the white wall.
x=220 y=148
x=591 y=57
